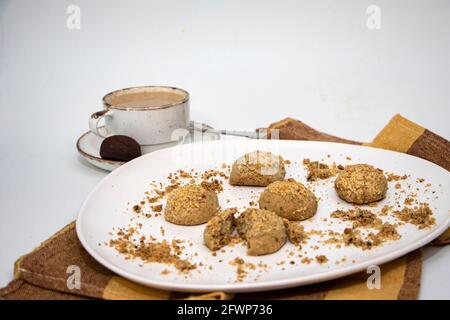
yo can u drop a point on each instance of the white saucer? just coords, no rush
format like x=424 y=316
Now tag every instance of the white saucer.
x=88 y=146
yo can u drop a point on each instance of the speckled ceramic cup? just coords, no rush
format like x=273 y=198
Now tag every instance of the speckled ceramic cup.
x=148 y=114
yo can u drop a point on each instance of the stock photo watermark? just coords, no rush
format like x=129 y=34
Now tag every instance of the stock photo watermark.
x=374 y=280
x=73 y=21
x=374 y=19
x=197 y=151
x=74 y=277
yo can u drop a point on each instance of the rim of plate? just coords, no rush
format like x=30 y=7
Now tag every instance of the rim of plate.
x=256 y=286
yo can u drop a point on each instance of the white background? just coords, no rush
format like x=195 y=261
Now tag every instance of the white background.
x=245 y=64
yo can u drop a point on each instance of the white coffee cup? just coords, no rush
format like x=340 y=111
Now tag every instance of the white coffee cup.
x=148 y=114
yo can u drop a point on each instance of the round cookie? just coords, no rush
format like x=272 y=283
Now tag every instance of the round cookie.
x=263 y=231
x=257 y=168
x=361 y=184
x=191 y=205
x=289 y=199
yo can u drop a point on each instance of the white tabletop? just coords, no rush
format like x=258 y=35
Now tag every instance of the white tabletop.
x=246 y=64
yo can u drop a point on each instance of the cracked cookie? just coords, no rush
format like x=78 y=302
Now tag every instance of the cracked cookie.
x=263 y=231
x=218 y=230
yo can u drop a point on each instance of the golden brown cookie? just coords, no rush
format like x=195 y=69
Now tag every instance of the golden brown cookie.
x=218 y=230
x=263 y=231
x=258 y=168
x=289 y=199
x=191 y=205
x=295 y=232
x=361 y=184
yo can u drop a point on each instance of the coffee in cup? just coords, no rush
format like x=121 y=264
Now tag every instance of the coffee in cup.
x=147 y=114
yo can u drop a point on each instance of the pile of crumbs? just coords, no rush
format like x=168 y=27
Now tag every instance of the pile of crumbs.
x=215 y=185
x=421 y=216
x=241 y=268
x=364 y=219
x=385 y=210
x=210 y=179
x=359 y=218
x=354 y=237
x=150 y=250
x=318 y=170
x=394 y=177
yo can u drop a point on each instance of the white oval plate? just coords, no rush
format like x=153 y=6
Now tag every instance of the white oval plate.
x=108 y=206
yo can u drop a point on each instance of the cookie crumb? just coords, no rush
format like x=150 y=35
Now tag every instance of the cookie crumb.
x=321 y=259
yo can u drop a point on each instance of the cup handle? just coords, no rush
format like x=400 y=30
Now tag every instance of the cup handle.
x=95 y=119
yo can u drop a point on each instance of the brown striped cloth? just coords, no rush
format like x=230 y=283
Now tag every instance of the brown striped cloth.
x=42 y=274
